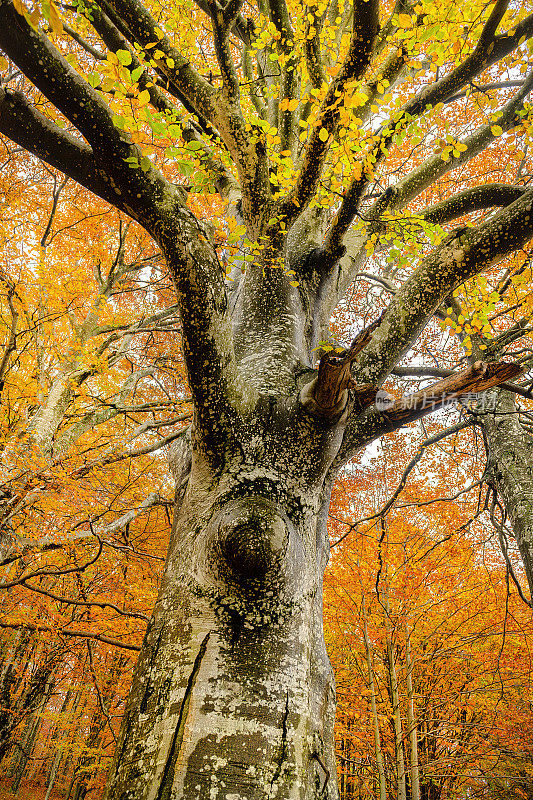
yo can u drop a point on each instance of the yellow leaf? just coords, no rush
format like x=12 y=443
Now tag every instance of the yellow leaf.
x=404 y=20
x=144 y=97
x=55 y=20
x=496 y=130
x=323 y=135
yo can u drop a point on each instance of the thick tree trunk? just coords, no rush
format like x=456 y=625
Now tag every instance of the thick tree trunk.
x=510 y=465
x=233 y=696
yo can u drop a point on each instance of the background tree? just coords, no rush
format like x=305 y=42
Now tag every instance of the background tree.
x=123 y=100
x=432 y=662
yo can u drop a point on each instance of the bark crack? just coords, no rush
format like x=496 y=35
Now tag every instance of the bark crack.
x=283 y=747
x=148 y=690
x=316 y=756
x=167 y=779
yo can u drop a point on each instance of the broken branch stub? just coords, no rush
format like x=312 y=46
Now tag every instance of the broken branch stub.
x=327 y=395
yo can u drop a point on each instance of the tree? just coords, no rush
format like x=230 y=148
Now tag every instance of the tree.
x=233 y=693
x=431 y=658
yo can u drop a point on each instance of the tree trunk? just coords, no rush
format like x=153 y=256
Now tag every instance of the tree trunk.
x=375 y=720
x=233 y=694
x=396 y=707
x=30 y=735
x=510 y=465
x=411 y=720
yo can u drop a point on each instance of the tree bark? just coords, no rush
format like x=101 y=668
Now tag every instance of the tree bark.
x=396 y=708
x=375 y=720
x=233 y=695
x=412 y=720
x=510 y=466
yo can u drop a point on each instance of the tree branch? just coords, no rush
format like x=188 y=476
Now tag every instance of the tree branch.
x=455 y=261
x=393 y=414
x=240 y=26
x=327 y=394
x=70 y=632
x=30 y=129
x=222 y=20
x=480 y=197
x=93 y=51
x=364 y=32
x=143 y=193
x=11 y=344
x=87 y=604
x=140 y=27
x=483 y=56
x=47 y=571
x=477 y=378
x=279 y=15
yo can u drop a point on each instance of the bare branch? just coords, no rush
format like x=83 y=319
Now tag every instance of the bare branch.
x=477 y=378
x=51 y=571
x=34 y=132
x=87 y=604
x=491 y=194
x=99 y=637
x=373 y=423
x=93 y=51
x=383 y=512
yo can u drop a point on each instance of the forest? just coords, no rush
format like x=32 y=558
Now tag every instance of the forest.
x=266 y=381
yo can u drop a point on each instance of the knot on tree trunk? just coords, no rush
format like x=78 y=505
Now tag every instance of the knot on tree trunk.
x=253 y=537
x=259 y=563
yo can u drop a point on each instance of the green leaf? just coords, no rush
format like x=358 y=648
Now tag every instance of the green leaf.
x=118 y=121
x=124 y=56
x=145 y=164
x=185 y=167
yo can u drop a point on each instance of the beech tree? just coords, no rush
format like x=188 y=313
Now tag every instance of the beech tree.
x=333 y=132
